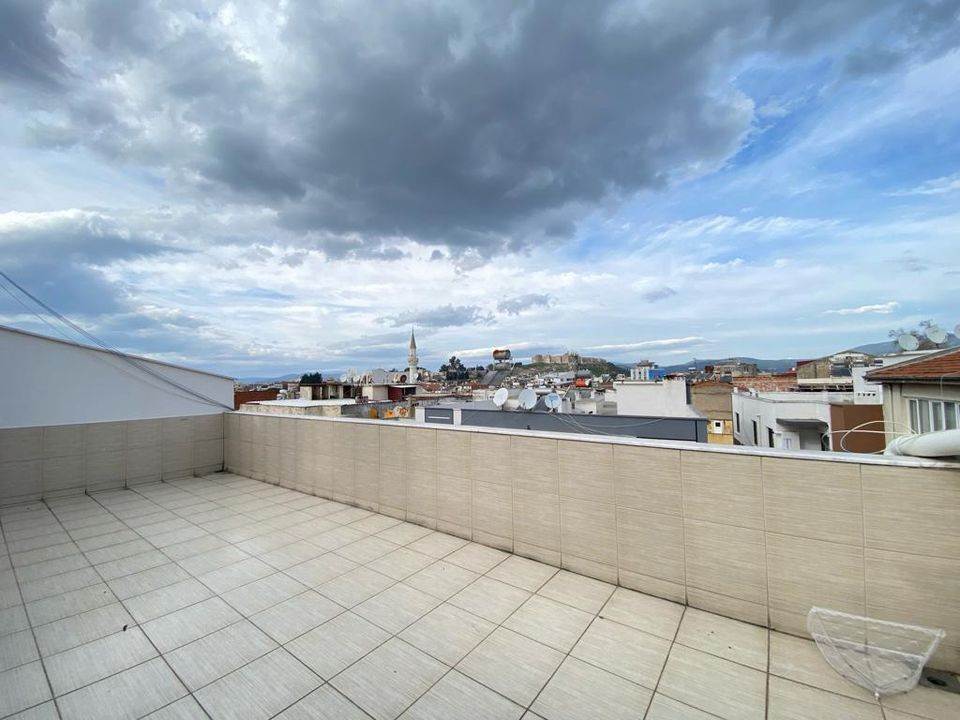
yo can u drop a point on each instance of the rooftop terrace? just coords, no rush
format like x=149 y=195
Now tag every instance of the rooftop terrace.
x=226 y=597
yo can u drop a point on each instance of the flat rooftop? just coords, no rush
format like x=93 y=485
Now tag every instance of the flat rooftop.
x=225 y=597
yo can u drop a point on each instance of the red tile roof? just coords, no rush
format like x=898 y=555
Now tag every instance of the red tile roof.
x=942 y=365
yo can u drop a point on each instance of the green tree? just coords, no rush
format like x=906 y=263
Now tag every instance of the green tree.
x=314 y=378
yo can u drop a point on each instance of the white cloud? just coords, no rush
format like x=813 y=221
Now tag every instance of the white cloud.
x=647 y=344
x=937 y=186
x=881 y=309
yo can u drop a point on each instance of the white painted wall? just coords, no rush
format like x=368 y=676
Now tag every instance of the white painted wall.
x=768 y=408
x=656 y=399
x=53 y=382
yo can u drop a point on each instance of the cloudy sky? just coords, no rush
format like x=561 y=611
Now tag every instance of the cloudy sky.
x=269 y=186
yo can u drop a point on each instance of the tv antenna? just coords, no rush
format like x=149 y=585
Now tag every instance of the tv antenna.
x=528 y=398
x=935 y=334
x=908 y=342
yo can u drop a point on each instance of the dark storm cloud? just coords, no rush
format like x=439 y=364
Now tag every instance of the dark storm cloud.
x=439 y=317
x=516 y=305
x=480 y=127
x=56 y=260
x=28 y=52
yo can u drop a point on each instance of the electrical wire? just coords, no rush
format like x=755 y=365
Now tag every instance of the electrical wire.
x=106 y=348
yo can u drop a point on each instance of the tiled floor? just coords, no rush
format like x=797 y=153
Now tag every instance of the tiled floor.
x=224 y=597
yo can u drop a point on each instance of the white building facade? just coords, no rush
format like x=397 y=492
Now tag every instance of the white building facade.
x=57 y=382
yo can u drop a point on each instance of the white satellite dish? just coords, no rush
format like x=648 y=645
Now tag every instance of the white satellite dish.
x=908 y=342
x=528 y=398
x=500 y=397
x=552 y=401
x=935 y=334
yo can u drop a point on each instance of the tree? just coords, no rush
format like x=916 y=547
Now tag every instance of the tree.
x=314 y=378
x=919 y=332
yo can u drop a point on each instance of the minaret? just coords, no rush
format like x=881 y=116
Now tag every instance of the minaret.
x=412 y=372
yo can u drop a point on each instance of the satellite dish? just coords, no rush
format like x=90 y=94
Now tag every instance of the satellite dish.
x=935 y=334
x=552 y=401
x=500 y=397
x=956 y=330
x=908 y=342
x=528 y=398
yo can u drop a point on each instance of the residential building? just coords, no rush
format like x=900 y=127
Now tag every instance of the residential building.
x=807 y=421
x=921 y=394
x=712 y=399
x=733 y=368
x=666 y=398
x=645 y=371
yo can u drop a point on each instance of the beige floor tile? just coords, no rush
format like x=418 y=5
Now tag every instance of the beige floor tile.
x=404 y=533
x=260 y=690
x=389 y=679
x=17 y=649
x=396 y=607
x=549 y=622
x=79 y=666
x=718 y=686
x=581 y=592
x=320 y=569
x=291 y=618
x=401 y=563
x=644 y=612
x=512 y=664
x=324 y=703
x=442 y=579
x=665 y=708
x=355 y=586
x=22 y=687
x=447 y=633
x=729 y=639
x=215 y=655
x=366 y=550
x=457 y=696
x=490 y=599
x=166 y=600
x=926 y=703
x=799 y=660
x=191 y=623
x=624 y=651
x=130 y=694
x=337 y=643
x=79 y=629
x=523 y=573
x=437 y=545
x=478 y=558
x=261 y=594
x=793 y=701
x=579 y=690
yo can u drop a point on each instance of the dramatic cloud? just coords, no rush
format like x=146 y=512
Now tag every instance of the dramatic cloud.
x=516 y=305
x=440 y=317
x=882 y=309
x=253 y=185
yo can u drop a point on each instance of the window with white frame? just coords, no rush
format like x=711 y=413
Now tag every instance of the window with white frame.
x=929 y=415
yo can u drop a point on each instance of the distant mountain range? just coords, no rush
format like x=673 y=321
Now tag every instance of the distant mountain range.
x=780 y=365
x=890 y=346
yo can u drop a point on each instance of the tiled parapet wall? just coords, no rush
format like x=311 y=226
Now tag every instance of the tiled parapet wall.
x=753 y=534
x=38 y=462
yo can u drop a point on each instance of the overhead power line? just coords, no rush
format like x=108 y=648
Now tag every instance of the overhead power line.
x=139 y=365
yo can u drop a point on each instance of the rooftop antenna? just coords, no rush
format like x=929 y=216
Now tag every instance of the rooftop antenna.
x=552 y=401
x=528 y=398
x=935 y=334
x=908 y=342
x=500 y=397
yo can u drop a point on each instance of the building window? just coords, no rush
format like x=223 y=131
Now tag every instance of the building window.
x=770 y=437
x=736 y=417
x=756 y=433
x=930 y=415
